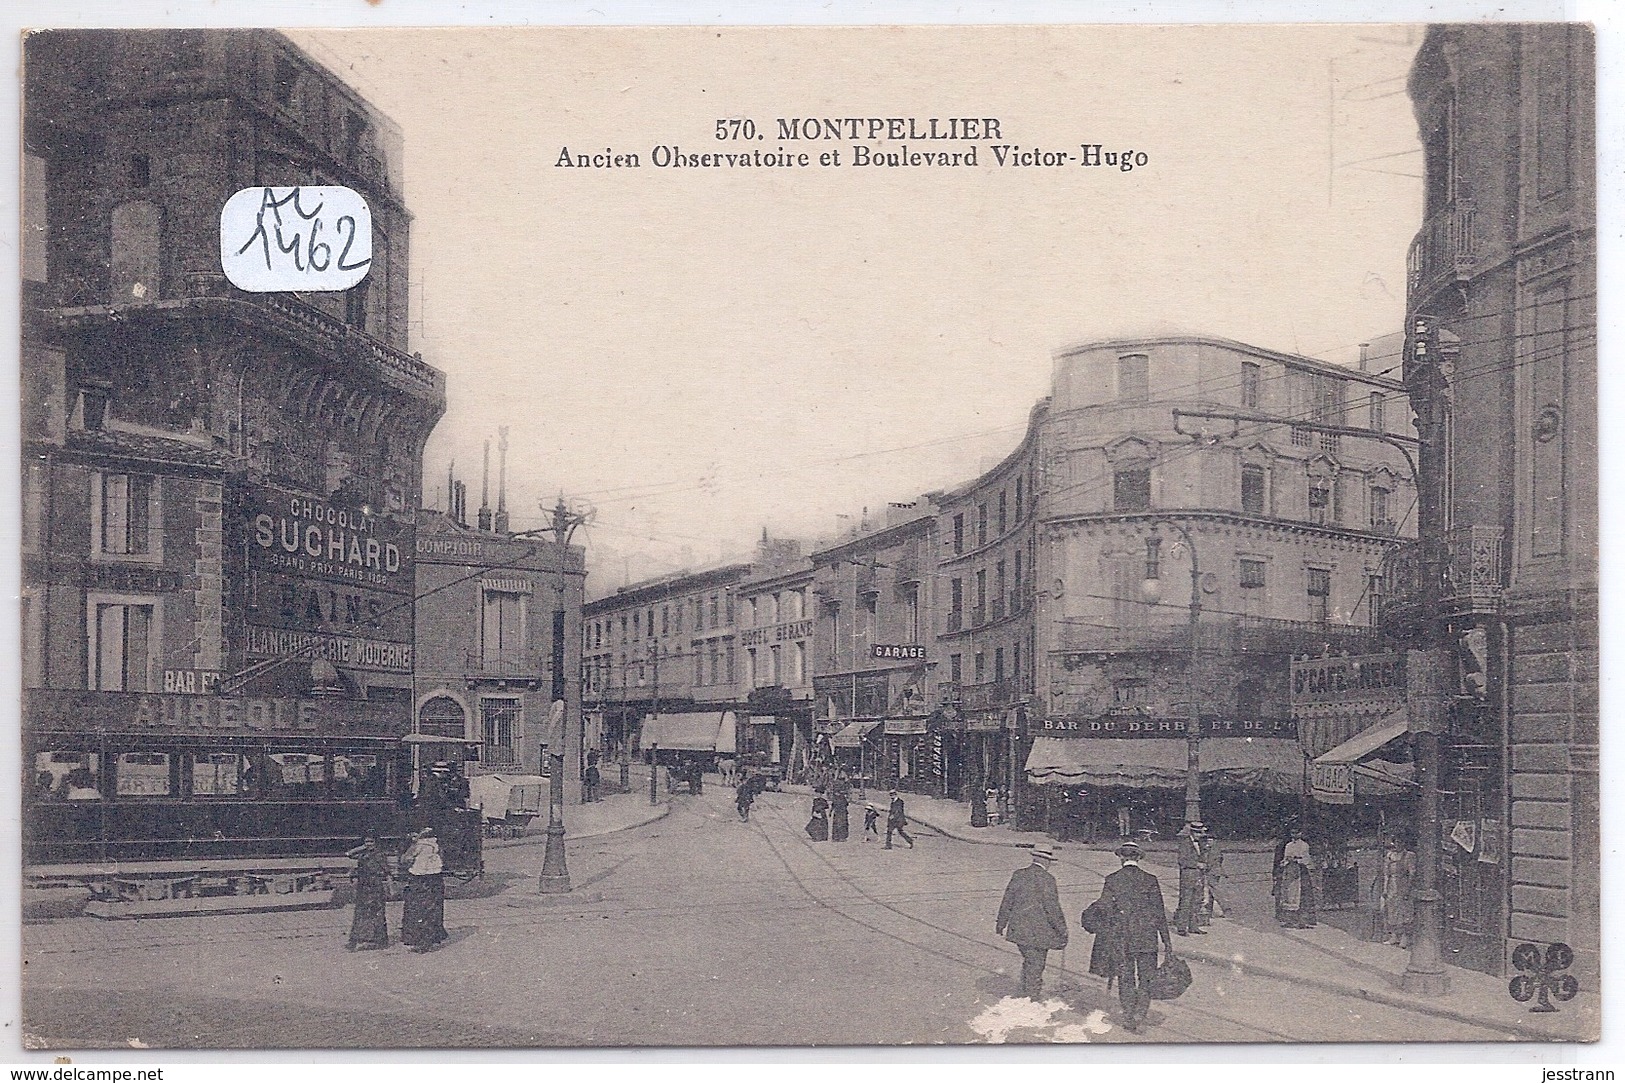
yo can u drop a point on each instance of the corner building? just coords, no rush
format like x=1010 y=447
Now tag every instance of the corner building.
x=1287 y=526
x=1505 y=264
x=218 y=487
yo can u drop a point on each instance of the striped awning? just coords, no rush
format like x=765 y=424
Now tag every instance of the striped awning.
x=852 y=736
x=1272 y=764
x=707 y=731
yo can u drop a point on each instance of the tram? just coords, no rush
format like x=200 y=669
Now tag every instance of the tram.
x=251 y=806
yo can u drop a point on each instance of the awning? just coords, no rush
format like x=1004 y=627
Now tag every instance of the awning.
x=709 y=731
x=1367 y=741
x=1259 y=763
x=852 y=736
x=497 y=795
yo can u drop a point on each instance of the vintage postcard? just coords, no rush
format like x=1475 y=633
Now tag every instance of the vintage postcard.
x=563 y=537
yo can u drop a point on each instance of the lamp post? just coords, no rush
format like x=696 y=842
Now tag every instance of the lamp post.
x=555 y=877
x=1151 y=588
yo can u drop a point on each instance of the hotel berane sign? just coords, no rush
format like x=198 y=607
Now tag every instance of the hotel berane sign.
x=324 y=579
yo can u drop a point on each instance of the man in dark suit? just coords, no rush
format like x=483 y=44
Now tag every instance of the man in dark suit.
x=1030 y=917
x=897 y=820
x=1132 y=898
x=1192 y=869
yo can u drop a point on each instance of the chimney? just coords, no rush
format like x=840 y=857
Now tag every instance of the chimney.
x=451 y=490
x=502 y=480
x=1365 y=357
x=485 y=489
x=461 y=503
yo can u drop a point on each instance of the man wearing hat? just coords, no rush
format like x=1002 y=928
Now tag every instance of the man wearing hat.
x=1030 y=918
x=897 y=820
x=1192 y=868
x=1132 y=900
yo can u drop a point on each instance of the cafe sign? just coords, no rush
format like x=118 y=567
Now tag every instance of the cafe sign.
x=1358 y=679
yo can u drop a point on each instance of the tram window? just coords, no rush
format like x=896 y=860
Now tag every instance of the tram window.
x=357 y=774
x=220 y=774
x=74 y=776
x=295 y=774
x=142 y=774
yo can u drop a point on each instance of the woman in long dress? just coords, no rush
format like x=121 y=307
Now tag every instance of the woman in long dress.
x=369 y=928
x=1295 y=904
x=839 y=827
x=423 y=925
x=1398 y=898
x=818 y=825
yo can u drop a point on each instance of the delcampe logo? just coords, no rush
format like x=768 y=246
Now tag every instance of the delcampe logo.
x=315 y=238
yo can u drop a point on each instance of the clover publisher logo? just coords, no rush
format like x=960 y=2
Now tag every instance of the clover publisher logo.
x=1542 y=973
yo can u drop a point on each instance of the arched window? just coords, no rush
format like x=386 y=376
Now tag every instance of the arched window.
x=443 y=716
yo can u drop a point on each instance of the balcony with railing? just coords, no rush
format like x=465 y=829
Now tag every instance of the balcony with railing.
x=209 y=293
x=1219 y=635
x=1472 y=580
x=987 y=695
x=1446 y=248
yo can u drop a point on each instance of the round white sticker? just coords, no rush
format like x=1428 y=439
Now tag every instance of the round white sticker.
x=306 y=238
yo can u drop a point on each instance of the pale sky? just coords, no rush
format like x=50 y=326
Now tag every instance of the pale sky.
x=701 y=353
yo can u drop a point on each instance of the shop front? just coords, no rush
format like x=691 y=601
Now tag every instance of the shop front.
x=695 y=738
x=1119 y=786
x=1353 y=730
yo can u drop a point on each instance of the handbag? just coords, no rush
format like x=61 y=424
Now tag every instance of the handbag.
x=1172 y=978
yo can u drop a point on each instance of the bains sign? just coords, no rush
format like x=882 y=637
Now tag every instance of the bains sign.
x=325 y=579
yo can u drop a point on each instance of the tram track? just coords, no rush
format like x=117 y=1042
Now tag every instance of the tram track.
x=1168 y=1027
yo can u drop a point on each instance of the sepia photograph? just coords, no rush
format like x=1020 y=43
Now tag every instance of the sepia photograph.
x=734 y=536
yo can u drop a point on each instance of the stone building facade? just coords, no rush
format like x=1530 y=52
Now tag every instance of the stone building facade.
x=1504 y=267
x=663 y=646
x=218 y=487
x=986 y=572
x=497 y=644
x=1290 y=507
x=876 y=659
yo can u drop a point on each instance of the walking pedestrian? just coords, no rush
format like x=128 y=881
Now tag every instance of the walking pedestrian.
x=423 y=924
x=1030 y=917
x=591 y=779
x=369 y=928
x=1191 y=868
x=1398 y=901
x=1133 y=912
x=839 y=827
x=744 y=797
x=818 y=825
x=1125 y=822
x=871 y=822
x=896 y=820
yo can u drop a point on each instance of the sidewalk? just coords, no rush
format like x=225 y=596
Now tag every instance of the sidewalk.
x=1325 y=957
